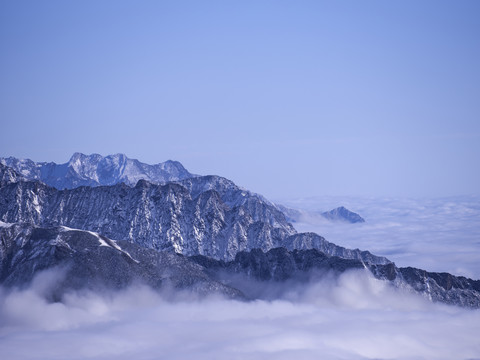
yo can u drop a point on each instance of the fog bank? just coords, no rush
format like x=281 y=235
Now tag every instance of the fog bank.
x=352 y=317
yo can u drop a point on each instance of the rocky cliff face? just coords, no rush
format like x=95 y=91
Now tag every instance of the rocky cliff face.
x=153 y=216
x=8 y=175
x=96 y=170
x=202 y=215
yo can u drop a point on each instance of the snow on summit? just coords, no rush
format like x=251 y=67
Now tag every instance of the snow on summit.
x=97 y=170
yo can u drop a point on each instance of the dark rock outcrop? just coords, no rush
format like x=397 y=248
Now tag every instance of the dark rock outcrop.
x=86 y=260
x=280 y=265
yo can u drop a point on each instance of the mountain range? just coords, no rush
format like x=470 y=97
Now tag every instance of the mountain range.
x=96 y=170
x=88 y=260
x=169 y=227
x=202 y=215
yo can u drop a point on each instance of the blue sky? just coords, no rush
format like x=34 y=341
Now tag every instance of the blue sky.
x=286 y=98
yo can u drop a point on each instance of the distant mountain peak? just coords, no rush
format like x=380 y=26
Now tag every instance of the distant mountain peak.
x=78 y=156
x=343 y=214
x=97 y=170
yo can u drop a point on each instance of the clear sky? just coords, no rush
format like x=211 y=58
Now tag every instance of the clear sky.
x=286 y=98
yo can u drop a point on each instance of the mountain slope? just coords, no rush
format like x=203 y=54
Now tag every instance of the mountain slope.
x=280 y=265
x=87 y=260
x=9 y=175
x=96 y=170
x=202 y=215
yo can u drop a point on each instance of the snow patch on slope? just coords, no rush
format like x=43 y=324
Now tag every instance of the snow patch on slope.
x=111 y=243
x=5 y=225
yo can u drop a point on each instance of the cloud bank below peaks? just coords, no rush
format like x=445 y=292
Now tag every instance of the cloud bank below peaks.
x=350 y=317
x=436 y=234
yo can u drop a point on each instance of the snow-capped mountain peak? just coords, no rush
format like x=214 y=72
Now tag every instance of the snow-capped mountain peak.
x=97 y=170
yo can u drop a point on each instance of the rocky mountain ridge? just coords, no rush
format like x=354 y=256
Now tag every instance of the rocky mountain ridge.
x=198 y=234
x=96 y=170
x=208 y=216
x=84 y=260
x=279 y=265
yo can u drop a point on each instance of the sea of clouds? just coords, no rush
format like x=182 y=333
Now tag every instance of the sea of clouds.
x=353 y=316
x=435 y=234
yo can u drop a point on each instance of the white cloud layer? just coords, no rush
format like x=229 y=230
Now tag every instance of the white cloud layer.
x=441 y=234
x=353 y=317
